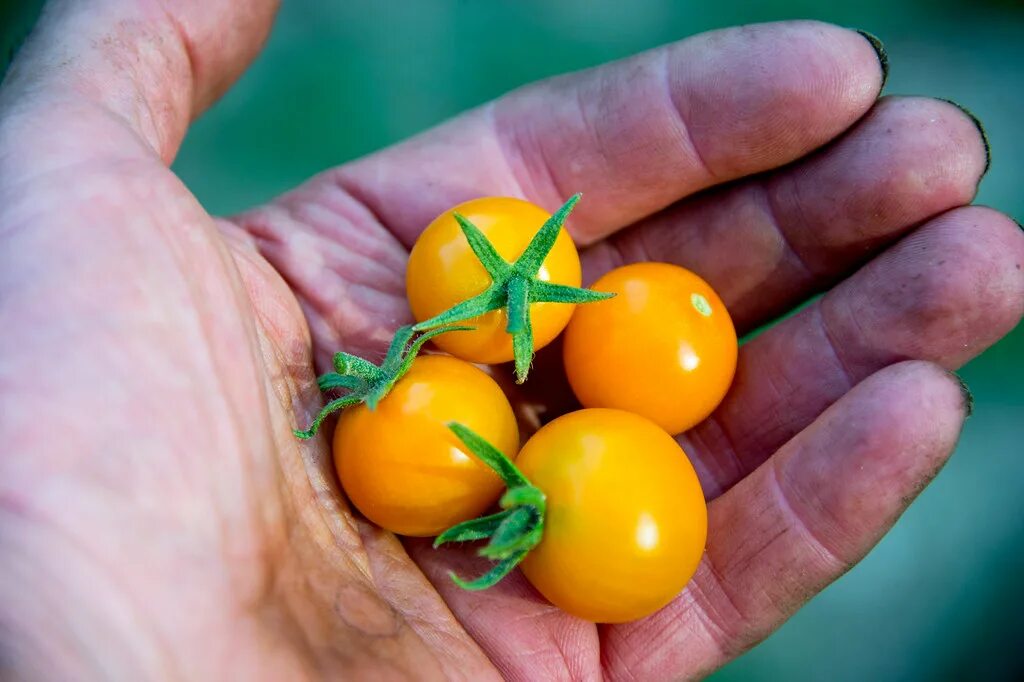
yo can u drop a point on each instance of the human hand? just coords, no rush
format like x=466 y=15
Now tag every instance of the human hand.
x=159 y=519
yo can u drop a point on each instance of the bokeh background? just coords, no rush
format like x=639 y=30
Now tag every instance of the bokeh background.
x=942 y=597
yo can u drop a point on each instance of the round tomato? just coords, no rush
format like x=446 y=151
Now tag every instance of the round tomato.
x=626 y=519
x=443 y=271
x=664 y=347
x=401 y=466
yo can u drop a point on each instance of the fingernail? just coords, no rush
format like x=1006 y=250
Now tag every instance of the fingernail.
x=981 y=129
x=883 y=56
x=965 y=391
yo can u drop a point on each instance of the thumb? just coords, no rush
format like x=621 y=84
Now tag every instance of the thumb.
x=147 y=65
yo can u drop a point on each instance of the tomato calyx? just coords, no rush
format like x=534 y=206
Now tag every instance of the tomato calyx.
x=512 y=532
x=515 y=286
x=369 y=383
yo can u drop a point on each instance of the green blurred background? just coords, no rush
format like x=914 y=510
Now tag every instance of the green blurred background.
x=941 y=597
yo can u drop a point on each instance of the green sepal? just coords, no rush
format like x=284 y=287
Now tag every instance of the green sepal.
x=532 y=257
x=522 y=350
x=489 y=455
x=491 y=577
x=511 y=533
x=547 y=292
x=515 y=286
x=520 y=326
x=485 y=252
x=517 y=308
x=353 y=365
x=475 y=529
x=366 y=382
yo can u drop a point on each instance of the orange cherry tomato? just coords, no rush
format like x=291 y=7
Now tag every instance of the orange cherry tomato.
x=401 y=466
x=443 y=271
x=664 y=347
x=626 y=519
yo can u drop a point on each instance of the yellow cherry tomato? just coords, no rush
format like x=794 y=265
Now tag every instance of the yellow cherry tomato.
x=626 y=518
x=401 y=466
x=443 y=271
x=664 y=347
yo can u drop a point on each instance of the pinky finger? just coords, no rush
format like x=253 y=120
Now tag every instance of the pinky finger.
x=800 y=521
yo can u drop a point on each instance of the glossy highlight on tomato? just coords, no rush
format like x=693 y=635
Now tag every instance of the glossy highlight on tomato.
x=401 y=466
x=626 y=519
x=664 y=347
x=443 y=271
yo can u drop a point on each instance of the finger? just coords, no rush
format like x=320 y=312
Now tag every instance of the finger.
x=769 y=242
x=799 y=522
x=522 y=634
x=636 y=135
x=91 y=67
x=346 y=269
x=944 y=294
x=822 y=79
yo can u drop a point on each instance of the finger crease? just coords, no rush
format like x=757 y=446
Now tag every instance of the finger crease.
x=725 y=631
x=514 y=155
x=685 y=132
x=834 y=346
x=830 y=556
x=772 y=213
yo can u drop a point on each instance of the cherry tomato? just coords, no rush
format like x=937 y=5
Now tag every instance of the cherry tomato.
x=626 y=518
x=664 y=347
x=443 y=271
x=401 y=466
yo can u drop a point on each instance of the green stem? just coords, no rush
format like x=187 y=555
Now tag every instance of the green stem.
x=366 y=382
x=490 y=299
x=332 y=381
x=328 y=409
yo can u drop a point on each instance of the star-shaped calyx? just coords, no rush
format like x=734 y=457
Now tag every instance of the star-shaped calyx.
x=515 y=286
x=369 y=383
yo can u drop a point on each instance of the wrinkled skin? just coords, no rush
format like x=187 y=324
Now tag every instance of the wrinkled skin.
x=157 y=518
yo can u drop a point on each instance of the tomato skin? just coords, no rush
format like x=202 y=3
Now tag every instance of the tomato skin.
x=402 y=467
x=443 y=271
x=626 y=519
x=650 y=350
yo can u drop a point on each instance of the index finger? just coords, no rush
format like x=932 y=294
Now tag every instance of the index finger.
x=636 y=135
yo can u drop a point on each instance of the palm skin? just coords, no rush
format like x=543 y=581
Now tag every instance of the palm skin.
x=158 y=518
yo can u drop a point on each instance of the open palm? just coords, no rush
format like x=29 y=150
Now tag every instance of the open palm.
x=157 y=517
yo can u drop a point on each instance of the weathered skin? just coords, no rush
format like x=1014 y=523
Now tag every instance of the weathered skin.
x=159 y=521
